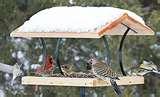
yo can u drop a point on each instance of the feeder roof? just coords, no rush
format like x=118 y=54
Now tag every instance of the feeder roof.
x=82 y=22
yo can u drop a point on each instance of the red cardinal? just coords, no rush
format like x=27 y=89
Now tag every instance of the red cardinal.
x=47 y=68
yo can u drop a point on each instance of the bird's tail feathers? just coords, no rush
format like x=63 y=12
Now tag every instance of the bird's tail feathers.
x=116 y=87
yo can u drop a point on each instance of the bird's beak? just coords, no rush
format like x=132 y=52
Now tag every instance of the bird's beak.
x=88 y=65
x=89 y=62
x=142 y=66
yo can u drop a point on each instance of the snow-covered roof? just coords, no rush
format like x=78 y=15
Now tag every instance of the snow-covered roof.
x=70 y=21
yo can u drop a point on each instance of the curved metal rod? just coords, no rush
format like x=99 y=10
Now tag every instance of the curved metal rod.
x=57 y=55
x=120 y=51
x=107 y=50
x=44 y=52
x=120 y=48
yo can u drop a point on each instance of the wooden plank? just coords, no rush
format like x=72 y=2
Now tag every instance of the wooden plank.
x=85 y=82
x=55 y=34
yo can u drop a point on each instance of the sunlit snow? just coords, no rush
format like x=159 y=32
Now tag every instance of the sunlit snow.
x=74 y=19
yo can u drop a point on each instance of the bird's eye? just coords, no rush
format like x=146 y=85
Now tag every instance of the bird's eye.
x=64 y=66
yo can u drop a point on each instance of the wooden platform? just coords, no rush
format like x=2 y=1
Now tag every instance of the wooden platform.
x=85 y=82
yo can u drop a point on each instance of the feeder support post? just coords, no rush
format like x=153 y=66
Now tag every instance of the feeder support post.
x=57 y=55
x=107 y=50
x=44 y=52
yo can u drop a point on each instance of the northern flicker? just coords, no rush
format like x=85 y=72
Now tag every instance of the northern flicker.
x=104 y=72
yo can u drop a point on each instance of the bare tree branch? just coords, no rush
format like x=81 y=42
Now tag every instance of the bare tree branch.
x=6 y=68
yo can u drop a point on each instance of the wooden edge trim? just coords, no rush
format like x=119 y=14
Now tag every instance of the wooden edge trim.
x=78 y=82
x=55 y=34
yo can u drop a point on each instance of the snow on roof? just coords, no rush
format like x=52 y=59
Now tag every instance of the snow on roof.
x=74 y=19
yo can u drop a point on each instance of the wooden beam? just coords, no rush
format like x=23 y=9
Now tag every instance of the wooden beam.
x=85 y=82
x=6 y=68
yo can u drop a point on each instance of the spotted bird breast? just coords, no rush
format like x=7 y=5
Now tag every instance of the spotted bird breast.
x=103 y=71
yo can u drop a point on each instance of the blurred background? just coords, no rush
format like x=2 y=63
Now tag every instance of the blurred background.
x=28 y=52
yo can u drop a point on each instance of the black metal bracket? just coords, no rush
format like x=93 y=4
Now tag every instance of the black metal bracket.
x=82 y=91
x=120 y=48
x=57 y=55
x=107 y=50
x=44 y=52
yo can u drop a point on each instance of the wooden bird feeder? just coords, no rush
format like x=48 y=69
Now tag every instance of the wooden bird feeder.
x=82 y=22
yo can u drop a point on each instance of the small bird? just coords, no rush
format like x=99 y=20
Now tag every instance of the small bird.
x=104 y=72
x=70 y=71
x=16 y=72
x=149 y=66
x=47 y=68
x=67 y=69
x=144 y=68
